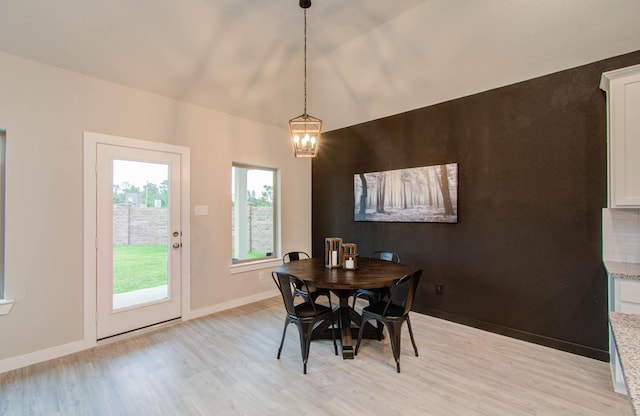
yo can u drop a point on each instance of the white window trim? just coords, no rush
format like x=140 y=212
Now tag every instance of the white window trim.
x=254 y=265
x=264 y=262
x=5 y=306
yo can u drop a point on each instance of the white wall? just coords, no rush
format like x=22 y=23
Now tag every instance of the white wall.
x=442 y=50
x=45 y=111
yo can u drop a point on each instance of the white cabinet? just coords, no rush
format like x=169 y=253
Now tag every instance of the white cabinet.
x=624 y=297
x=627 y=294
x=623 y=109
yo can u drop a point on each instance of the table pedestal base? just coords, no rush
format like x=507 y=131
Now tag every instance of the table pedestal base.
x=345 y=315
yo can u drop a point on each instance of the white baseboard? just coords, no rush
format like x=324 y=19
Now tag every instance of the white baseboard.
x=231 y=304
x=44 y=355
x=66 y=349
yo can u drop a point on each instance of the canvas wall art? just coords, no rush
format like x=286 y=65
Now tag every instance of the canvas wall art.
x=423 y=194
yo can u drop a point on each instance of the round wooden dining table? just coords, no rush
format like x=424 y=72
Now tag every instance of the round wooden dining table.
x=370 y=274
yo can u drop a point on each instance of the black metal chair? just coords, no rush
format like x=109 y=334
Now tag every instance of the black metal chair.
x=385 y=255
x=305 y=315
x=294 y=256
x=305 y=294
x=393 y=312
x=375 y=295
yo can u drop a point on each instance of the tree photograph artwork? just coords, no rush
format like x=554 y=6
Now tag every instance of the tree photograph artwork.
x=423 y=194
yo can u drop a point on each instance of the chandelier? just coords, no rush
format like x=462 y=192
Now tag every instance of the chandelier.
x=305 y=129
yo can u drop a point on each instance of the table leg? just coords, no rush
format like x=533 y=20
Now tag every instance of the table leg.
x=345 y=315
x=345 y=326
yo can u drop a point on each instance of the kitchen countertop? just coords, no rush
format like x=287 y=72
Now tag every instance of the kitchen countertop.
x=623 y=270
x=626 y=332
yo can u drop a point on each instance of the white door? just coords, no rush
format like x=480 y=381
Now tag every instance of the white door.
x=138 y=238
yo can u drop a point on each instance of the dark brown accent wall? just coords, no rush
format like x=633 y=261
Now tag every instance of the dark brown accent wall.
x=525 y=258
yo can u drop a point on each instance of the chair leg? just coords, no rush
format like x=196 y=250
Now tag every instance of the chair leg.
x=333 y=337
x=379 y=324
x=333 y=332
x=394 y=328
x=380 y=327
x=305 y=331
x=332 y=327
x=411 y=335
x=355 y=298
x=284 y=332
x=365 y=319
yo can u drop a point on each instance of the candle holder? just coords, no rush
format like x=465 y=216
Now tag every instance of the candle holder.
x=332 y=252
x=349 y=256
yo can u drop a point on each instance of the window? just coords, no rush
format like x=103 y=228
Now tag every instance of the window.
x=253 y=213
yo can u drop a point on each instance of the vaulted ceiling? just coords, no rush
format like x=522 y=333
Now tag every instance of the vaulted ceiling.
x=241 y=57
x=245 y=57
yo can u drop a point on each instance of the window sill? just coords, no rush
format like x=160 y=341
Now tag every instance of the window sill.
x=5 y=306
x=255 y=265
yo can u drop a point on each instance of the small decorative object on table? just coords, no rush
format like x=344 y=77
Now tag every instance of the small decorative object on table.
x=332 y=252
x=350 y=256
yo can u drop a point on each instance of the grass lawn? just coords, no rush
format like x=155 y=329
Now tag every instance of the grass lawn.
x=250 y=255
x=139 y=267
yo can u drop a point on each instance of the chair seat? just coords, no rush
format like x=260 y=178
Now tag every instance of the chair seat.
x=314 y=292
x=372 y=295
x=305 y=310
x=378 y=308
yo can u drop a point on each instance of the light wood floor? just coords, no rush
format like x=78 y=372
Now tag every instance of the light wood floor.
x=225 y=364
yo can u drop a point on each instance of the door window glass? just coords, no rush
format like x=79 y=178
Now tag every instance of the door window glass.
x=140 y=232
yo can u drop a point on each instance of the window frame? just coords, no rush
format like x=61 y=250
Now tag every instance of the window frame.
x=3 y=147
x=5 y=304
x=275 y=211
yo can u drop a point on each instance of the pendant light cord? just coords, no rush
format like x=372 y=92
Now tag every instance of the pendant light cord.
x=305 y=62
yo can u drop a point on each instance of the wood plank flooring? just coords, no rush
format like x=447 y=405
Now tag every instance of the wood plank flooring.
x=225 y=364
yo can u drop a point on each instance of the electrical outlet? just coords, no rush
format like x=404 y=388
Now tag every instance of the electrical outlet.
x=439 y=289
x=261 y=275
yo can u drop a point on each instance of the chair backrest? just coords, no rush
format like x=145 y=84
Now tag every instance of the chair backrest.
x=385 y=255
x=283 y=281
x=294 y=256
x=403 y=292
x=287 y=285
